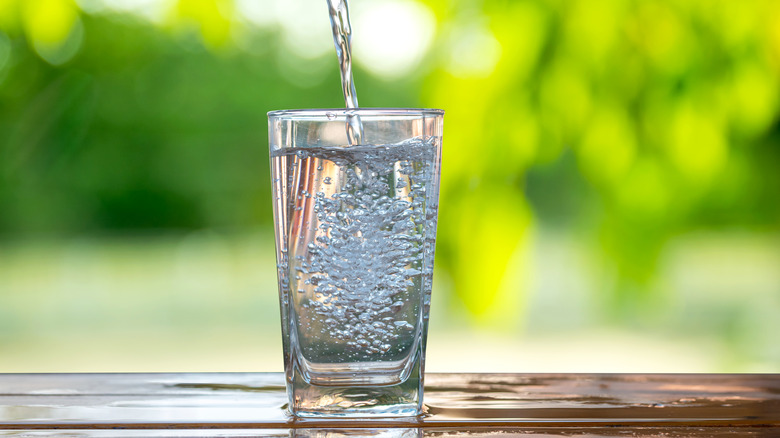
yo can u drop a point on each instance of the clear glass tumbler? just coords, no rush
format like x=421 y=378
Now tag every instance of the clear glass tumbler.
x=355 y=240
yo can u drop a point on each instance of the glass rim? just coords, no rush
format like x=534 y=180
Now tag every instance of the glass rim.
x=343 y=112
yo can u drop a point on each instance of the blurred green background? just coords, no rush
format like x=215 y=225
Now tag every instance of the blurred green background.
x=610 y=190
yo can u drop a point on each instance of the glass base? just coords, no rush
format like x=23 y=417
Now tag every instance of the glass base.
x=341 y=432
x=403 y=399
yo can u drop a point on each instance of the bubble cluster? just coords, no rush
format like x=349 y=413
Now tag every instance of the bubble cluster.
x=358 y=266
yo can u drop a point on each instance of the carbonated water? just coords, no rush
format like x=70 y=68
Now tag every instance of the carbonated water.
x=357 y=257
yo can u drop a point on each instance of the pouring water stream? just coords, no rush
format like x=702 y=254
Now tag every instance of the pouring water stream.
x=342 y=39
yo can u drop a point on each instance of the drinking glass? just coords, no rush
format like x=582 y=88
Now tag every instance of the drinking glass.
x=355 y=232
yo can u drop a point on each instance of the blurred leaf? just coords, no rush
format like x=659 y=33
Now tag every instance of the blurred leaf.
x=9 y=15
x=697 y=146
x=489 y=227
x=608 y=147
x=53 y=27
x=754 y=103
x=211 y=17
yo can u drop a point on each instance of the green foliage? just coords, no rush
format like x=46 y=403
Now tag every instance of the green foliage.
x=143 y=131
x=668 y=108
x=625 y=122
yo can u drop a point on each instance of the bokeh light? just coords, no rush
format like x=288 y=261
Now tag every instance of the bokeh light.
x=610 y=177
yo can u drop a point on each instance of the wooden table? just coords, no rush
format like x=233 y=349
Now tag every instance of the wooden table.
x=251 y=404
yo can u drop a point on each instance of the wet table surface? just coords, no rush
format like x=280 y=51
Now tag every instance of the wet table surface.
x=526 y=405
